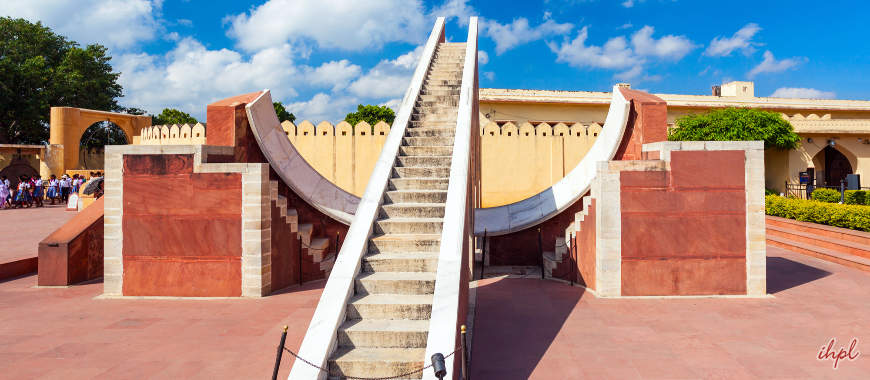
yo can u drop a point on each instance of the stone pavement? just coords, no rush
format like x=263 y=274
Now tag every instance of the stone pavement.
x=22 y=229
x=542 y=329
x=64 y=333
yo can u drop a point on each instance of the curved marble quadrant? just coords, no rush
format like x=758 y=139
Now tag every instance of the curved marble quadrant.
x=292 y=167
x=539 y=208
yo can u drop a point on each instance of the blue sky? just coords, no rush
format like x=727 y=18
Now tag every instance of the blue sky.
x=322 y=58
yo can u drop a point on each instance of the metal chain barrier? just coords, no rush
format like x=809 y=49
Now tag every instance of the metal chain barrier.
x=367 y=378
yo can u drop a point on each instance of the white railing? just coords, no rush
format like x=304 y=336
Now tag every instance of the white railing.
x=320 y=339
x=450 y=302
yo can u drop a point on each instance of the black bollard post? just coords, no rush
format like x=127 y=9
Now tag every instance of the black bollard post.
x=438 y=365
x=337 y=240
x=541 y=251
x=280 y=352
x=300 y=258
x=464 y=355
x=842 y=193
x=573 y=263
x=483 y=255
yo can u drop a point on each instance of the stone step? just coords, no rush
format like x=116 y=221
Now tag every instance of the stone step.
x=448 y=102
x=426 y=150
x=390 y=306
x=447 y=77
x=401 y=262
x=395 y=283
x=436 y=117
x=433 y=124
x=417 y=184
x=412 y=210
x=404 y=243
x=845 y=259
x=433 y=83
x=409 y=226
x=439 y=96
x=377 y=362
x=399 y=172
x=423 y=161
x=839 y=245
x=415 y=196
x=434 y=110
x=427 y=141
x=400 y=333
x=431 y=132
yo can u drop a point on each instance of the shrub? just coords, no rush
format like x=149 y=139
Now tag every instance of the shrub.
x=826 y=195
x=837 y=215
x=855 y=197
x=770 y=192
x=736 y=124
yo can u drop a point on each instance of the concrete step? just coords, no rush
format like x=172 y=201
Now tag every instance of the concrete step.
x=399 y=172
x=395 y=283
x=431 y=132
x=839 y=233
x=412 y=210
x=404 y=243
x=415 y=196
x=428 y=141
x=436 y=151
x=401 y=333
x=318 y=249
x=831 y=255
x=418 y=184
x=409 y=226
x=442 y=84
x=377 y=362
x=842 y=246
x=380 y=306
x=447 y=77
x=401 y=262
x=423 y=161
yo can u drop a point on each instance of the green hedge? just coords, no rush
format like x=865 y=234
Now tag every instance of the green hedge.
x=826 y=195
x=847 y=216
x=855 y=197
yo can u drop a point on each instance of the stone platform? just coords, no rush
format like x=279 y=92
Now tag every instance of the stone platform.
x=65 y=333
x=22 y=230
x=542 y=329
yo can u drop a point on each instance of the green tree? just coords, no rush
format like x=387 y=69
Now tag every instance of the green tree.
x=736 y=124
x=371 y=114
x=171 y=116
x=40 y=70
x=282 y=113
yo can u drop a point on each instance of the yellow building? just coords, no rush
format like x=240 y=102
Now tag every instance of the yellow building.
x=836 y=133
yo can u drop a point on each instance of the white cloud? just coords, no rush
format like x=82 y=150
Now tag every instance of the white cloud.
x=335 y=74
x=668 y=47
x=803 y=93
x=741 y=40
x=190 y=76
x=394 y=104
x=519 y=32
x=323 y=107
x=771 y=65
x=625 y=26
x=627 y=76
x=116 y=24
x=388 y=78
x=184 y=22
x=342 y=24
x=489 y=75
x=615 y=54
x=628 y=3
x=482 y=58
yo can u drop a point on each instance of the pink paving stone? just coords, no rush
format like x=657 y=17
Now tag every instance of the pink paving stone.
x=23 y=229
x=695 y=338
x=62 y=333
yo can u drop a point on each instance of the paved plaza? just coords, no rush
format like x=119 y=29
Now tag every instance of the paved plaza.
x=23 y=229
x=524 y=329
x=537 y=329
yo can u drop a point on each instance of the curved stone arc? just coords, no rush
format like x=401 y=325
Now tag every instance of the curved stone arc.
x=539 y=208
x=302 y=178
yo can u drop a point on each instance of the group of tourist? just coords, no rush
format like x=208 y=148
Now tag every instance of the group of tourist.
x=32 y=191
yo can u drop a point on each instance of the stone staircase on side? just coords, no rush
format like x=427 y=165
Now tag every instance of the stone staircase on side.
x=387 y=318
x=838 y=245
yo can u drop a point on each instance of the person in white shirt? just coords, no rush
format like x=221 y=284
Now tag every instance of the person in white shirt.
x=65 y=185
x=38 y=192
x=5 y=194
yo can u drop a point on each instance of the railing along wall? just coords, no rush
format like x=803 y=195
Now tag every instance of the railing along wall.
x=450 y=301
x=321 y=336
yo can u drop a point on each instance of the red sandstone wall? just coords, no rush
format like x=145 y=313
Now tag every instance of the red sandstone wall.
x=74 y=252
x=182 y=230
x=684 y=231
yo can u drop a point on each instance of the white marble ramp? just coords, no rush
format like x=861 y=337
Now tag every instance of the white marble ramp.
x=302 y=178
